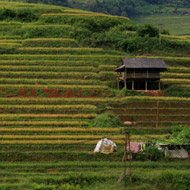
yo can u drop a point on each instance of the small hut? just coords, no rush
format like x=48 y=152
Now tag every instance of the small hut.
x=140 y=73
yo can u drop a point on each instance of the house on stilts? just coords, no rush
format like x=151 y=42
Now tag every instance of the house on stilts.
x=140 y=73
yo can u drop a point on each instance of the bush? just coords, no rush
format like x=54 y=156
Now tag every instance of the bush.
x=148 y=30
x=180 y=134
x=24 y=15
x=106 y=120
x=164 y=31
x=153 y=154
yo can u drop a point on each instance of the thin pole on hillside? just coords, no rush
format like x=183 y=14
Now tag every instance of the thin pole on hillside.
x=130 y=157
x=157 y=114
x=127 y=154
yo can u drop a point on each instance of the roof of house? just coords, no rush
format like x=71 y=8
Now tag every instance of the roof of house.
x=142 y=63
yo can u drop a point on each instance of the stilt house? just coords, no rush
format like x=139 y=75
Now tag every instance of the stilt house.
x=140 y=73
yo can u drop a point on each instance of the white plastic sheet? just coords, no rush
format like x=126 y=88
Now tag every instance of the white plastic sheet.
x=104 y=141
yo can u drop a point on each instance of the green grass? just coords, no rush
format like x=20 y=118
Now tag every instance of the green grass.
x=91 y=175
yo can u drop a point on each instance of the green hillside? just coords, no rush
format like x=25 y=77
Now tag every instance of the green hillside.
x=168 y=14
x=57 y=75
x=123 y=7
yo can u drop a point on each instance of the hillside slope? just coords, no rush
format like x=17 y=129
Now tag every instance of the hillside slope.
x=168 y=14
x=52 y=84
x=123 y=7
x=57 y=75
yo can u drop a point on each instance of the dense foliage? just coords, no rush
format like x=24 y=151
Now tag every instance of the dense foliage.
x=23 y=15
x=118 y=7
x=179 y=134
x=106 y=120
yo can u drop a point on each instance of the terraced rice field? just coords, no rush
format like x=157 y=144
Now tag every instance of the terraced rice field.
x=50 y=90
x=170 y=22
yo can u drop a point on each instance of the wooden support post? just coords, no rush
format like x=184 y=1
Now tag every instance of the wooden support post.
x=157 y=114
x=126 y=144
x=130 y=156
x=133 y=85
x=146 y=85
x=125 y=82
x=159 y=85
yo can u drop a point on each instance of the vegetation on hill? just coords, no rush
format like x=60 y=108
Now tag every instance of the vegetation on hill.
x=166 y=14
x=179 y=134
x=120 y=7
x=91 y=29
x=58 y=98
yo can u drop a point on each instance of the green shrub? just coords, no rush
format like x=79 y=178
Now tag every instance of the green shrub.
x=164 y=31
x=24 y=15
x=180 y=134
x=92 y=22
x=153 y=154
x=148 y=30
x=106 y=120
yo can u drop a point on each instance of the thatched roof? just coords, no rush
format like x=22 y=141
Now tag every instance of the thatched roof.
x=142 y=63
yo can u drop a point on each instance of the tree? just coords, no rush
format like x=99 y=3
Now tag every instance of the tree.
x=180 y=134
x=148 y=30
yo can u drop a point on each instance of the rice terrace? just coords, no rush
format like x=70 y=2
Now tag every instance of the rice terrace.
x=69 y=78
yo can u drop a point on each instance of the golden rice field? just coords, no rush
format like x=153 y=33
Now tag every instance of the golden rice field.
x=78 y=83
x=52 y=88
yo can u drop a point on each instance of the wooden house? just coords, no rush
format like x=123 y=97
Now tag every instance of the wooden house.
x=140 y=73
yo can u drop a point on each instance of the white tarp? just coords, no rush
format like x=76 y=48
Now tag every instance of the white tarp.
x=105 y=146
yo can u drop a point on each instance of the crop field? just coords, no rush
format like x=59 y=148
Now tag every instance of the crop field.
x=52 y=88
x=171 y=22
